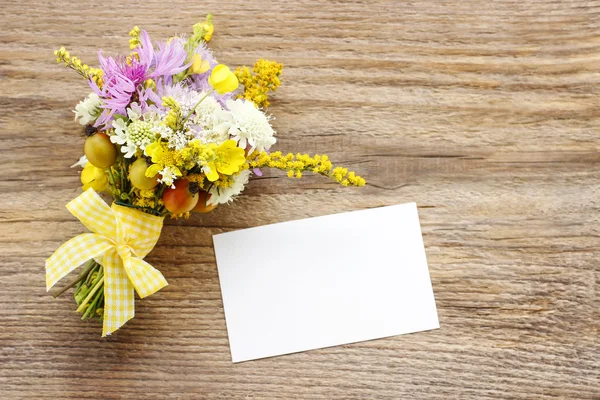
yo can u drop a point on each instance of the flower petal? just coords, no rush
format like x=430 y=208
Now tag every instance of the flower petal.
x=212 y=174
x=152 y=170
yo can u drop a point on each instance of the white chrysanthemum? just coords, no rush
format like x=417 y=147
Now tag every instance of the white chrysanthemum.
x=208 y=118
x=220 y=195
x=143 y=130
x=88 y=110
x=248 y=126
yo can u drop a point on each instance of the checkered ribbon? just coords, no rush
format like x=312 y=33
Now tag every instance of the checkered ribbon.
x=121 y=238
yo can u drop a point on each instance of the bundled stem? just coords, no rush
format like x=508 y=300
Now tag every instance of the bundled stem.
x=89 y=292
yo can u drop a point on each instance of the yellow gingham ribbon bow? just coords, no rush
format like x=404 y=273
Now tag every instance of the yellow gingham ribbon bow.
x=121 y=236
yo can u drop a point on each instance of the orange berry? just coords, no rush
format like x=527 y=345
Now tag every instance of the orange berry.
x=202 y=206
x=182 y=198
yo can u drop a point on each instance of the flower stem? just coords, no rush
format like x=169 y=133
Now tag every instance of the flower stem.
x=92 y=308
x=83 y=275
x=89 y=296
x=112 y=181
x=111 y=177
x=122 y=179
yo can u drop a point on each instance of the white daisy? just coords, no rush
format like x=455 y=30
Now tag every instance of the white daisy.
x=248 y=125
x=134 y=112
x=88 y=109
x=120 y=133
x=221 y=195
x=129 y=149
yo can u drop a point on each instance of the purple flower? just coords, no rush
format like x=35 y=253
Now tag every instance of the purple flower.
x=149 y=96
x=135 y=71
x=145 y=50
x=170 y=59
x=121 y=77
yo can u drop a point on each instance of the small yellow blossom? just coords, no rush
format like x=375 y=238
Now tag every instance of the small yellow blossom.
x=295 y=165
x=174 y=116
x=208 y=28
x=202 y=32
x=181 y=215
x=263 y=79
x=145 y=198
x=150 y=84
x=135 y=37
x=198 y=178
x=222 y=79
x=63 y=57
x=93 y=177
x=147 y=193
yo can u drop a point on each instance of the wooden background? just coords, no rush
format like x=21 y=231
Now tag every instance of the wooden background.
x=486 y=114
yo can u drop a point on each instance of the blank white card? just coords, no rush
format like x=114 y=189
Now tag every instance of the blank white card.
x=324 y=281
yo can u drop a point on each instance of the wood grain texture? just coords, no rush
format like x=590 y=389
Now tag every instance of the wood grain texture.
x=486 y=114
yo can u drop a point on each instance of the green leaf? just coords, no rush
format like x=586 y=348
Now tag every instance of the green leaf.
x=121 y=116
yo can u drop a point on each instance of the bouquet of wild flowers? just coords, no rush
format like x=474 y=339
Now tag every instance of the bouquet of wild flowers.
x=169 y=131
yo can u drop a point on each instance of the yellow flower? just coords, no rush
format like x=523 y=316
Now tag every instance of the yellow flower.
x=202 y=32
x=223 y=80
x=208 y=28
x=263 y=79
x=150 y=84
x=145 y=198
x=174 y=115
x=63 y=56
x=229 y=159
x=161 y=158
x=93 y=177
x=199 y=66
x=135 y=37
x=296 y=165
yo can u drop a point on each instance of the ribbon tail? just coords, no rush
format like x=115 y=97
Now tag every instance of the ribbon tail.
x=119 y=301
x=145 y=278
x=72 y=254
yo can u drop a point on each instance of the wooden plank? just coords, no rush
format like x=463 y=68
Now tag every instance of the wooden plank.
x=486 y=114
